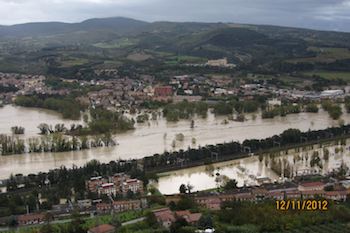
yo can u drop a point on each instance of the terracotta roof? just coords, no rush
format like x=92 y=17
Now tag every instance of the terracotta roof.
x=193 y=218
x=164 y=214
x=182 y=213
x=105 y=228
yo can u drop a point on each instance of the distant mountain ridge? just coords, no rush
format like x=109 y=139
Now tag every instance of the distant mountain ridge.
x=118 y=24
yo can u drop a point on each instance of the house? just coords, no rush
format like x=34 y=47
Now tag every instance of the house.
x=31 y=219
x=331 y=93
x=105 y=228
x=119 y=178
x=311 y=186
x=134 y=185
x=336 y=195
x=121 y=206
x=93 y=184
x=190 y=218
x=164 y=91
x=293 y=194
x=310 y=194
x=172 y=198
x=107 y=189
x=245 y=197
x=277 y=195
x=165 y=217
x=212 y=203
x=84 y=204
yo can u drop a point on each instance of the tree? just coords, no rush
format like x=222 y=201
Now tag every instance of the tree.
x=205 y=222
x=76 y=226
x=230 y=185
x=115 y=221
x=151 y=220
x=177 y=225
x=183 y=189
x=189 y=188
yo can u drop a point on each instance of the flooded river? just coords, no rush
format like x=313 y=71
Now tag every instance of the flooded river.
x=250 y=171
x=146 y=139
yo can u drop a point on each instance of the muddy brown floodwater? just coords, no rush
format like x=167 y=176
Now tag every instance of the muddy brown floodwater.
x=146 y=139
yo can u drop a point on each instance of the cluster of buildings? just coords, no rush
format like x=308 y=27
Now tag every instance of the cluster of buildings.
x=166 y=217
x=119 y=184
x=291 y=191
x=311 y=95
x=121 y=206
x=23 y=84
x=119 y=92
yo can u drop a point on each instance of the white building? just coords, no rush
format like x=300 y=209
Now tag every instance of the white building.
x=108 y=189
x=331 y=93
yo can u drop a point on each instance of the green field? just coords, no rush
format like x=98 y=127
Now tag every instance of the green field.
x=324 y=55
x=74 y=62
x=121 y=43
x=331 y=75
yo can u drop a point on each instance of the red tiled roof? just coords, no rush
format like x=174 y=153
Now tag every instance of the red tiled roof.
x=182 y=213
x=193 y=218
x=164 y=214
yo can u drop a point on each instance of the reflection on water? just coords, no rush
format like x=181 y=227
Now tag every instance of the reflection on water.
x=249 y=171
x=147 y=139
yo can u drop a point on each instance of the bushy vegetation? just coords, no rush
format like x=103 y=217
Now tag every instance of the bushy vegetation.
x=333 y=109
x=227 y=108
x=281 y=111
x=68 y=107
x=105 y=121
x=17 y=130
x=312 y=107
x=265 y=218
x=185 y=110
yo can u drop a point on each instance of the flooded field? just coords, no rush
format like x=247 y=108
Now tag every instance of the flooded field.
x=252 y=171
x=148 y=138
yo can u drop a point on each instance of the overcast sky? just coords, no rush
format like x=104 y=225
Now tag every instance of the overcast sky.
x=318 y=14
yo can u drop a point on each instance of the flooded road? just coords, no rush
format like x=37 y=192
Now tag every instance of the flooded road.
x=148 y=138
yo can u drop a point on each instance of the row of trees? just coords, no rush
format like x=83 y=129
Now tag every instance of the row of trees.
x=234 y=149
x=17 y=130
x=282 y=110
x=55 y=142
x=227 y=108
